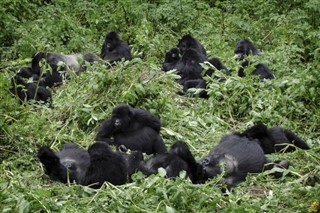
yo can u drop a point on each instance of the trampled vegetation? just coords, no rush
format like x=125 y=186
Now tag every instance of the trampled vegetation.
x=287 y=33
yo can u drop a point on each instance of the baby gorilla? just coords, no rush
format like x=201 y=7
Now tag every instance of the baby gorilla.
x=179 y=158
x=276 y=139
x=114 y=49
x=171 y=59
x=136 y=129
x=70 y=163
x=235 y=157
x=105 y=165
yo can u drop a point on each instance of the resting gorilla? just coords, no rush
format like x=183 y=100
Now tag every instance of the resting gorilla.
x=276 y=139
x=136 y=129
x=188 y=42
x=179 y=158
x=59 y=62
x=171 y=59
x=199 y=82
x=71 y=162
x=243 y=49
x=114 y=49
x=100 y=163
x=236 y=156
x=105 y=165
x=29 y=91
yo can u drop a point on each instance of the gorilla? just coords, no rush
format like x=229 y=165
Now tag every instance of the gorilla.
x=59 y=62
x=260 y=69
x=105 y=165
x=177 y=159
x=276 y=139
x=114 y=49
x=133 y=159
x=234 y=157
x=243 y=49
x=171 y=59
x=200 y=83
x=187 y=42
x=71 y=163
x=29 y=91
x=136 y=129
x=189 y=67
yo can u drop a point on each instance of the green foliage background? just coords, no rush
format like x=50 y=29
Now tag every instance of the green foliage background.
x=286 y=32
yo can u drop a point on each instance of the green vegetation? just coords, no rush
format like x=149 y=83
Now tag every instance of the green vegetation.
x=286 y=32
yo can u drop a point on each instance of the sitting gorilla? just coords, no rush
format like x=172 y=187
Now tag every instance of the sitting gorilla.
x=29 y=91
x=105 y=165
x=200 y=83
x=276 y=139
x=136 y=129
x=59 y=62
x=171 y=59
x=189 y=67
x=235 y=157
x=188 y=42
x=70 y=163
x=179 y=158
x=243 y=49
x=114 y=49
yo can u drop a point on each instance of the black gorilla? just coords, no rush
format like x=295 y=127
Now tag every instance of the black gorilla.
x=136 y=129
x=132 y=160
x=189 y=67
x=200 y=83
x=276 y=139
x=260 y=69
x=179 y=158
x=29 y=91
x=105 y=165
x=187 y=42
x=243 y=49
x=236 y=156
x=171 y=59
x=70 y=163
x=114 y=49
x=59 y=62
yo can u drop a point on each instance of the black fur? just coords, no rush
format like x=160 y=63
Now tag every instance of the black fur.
x=136 y=129
x=179 y=158
x=69 y=163
x=105 y=165
x=171 y=59
x=276 y=139
x=29 y=91
x=114 y=49
x=187 y=42
x=234 y=157
x=245 y=48
x=260 y=69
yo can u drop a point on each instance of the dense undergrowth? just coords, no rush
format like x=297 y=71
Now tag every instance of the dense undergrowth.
x=287 y=33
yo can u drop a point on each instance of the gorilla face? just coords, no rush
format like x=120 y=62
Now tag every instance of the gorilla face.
x=121 y=117
x=112 y=41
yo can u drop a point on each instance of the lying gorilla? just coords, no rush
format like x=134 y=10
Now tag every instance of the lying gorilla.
x=71 y=163
x=276 y=139
x=236 y=156
x=89 y=168
x=59 y=62
x=177 y=159
x=136 y=129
